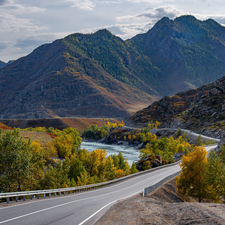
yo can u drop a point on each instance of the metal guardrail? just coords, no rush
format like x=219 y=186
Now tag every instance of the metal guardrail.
x=48 y=193
x=43 y=193
x=151 y=188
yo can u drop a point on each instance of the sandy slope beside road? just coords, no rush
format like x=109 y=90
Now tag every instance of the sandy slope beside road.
x=164 y=206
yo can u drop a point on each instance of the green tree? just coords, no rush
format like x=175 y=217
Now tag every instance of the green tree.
x=215 y=174
x=110 y=169
x=15 y=161
x=133 y=168
x=121 y=161
x=147 y=165
x=76 y=169
x=179 y=132
x=199 y=140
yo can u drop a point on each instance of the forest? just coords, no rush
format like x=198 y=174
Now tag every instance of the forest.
x=27 y=165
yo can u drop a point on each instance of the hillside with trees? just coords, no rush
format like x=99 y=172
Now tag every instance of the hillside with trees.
x=199 y=109
x=100 y=74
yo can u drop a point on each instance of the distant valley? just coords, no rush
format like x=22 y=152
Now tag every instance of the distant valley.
x=100 y=75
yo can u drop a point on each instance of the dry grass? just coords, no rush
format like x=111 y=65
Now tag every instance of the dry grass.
x=82 y=123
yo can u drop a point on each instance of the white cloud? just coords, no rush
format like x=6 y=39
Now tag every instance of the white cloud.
x=145 y=1
x=82 y=4
x=124 y=31
x=11 y=6
x=11 y=23
x=154 y=13
x=11 y=20
x=130 y=1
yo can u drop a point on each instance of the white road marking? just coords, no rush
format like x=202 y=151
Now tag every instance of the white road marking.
x=106 y=206
x=82 y=193
x=18 y=217
x=78 y=201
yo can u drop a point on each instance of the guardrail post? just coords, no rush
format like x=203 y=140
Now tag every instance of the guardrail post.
x=7 y=199
x=55 y=193
x=49 y=195
x=44 y=195
x=64 y=192
x=60 y=193
x=143 y=193
x=38 y=196
x=24 y=198
x=16 y=198
x=31 y=197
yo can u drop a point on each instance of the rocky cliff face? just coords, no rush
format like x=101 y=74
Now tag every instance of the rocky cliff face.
x=202 y=109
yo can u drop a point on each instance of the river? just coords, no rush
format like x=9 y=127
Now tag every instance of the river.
x=130 y=153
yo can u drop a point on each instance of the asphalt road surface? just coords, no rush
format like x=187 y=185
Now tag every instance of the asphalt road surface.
x=80 y=208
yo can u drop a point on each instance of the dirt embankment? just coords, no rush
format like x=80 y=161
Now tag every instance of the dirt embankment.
x=164 y=206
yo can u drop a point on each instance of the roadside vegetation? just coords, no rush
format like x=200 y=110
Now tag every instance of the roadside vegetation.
x=203 y=177
x=26 y=165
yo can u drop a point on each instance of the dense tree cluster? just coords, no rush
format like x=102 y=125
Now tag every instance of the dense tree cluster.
x=164 y=147
x=203 y=177
x=25 y=165
x=95 y=132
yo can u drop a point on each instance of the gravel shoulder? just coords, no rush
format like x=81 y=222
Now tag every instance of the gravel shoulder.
x=163 y=206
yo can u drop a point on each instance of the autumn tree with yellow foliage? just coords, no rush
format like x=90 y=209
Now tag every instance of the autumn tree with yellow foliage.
x=165 y=147
x=193 y=180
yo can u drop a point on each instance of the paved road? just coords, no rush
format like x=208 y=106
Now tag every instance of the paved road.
x=80 y=208
x=193 y=134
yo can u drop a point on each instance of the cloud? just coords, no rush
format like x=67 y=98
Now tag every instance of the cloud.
x=124 y=31
x=12 y=21
x=145 y=1
x=220 y=18
x=127 y=31
x=82 y=4
x=130 y=1
x=3 y=2
x=154 y=13
x=3 y=45
x=158 y=13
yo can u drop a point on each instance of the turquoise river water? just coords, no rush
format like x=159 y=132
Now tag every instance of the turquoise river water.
x=130 y=153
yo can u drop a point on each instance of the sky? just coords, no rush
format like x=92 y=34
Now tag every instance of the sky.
x=27 y=24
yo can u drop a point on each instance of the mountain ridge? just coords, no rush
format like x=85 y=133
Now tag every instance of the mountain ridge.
x=99 y=74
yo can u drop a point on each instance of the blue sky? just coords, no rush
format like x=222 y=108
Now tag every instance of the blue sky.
x=26 y=24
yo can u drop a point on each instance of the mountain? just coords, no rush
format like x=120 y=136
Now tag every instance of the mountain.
x=99 y=74
x=187 y=52
x=2 y=64
x=57 y=80
x=199 y=109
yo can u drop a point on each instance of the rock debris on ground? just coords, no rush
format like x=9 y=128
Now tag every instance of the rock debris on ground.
x=164 y=206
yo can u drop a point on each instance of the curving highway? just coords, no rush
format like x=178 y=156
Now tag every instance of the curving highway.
x=80 y=208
